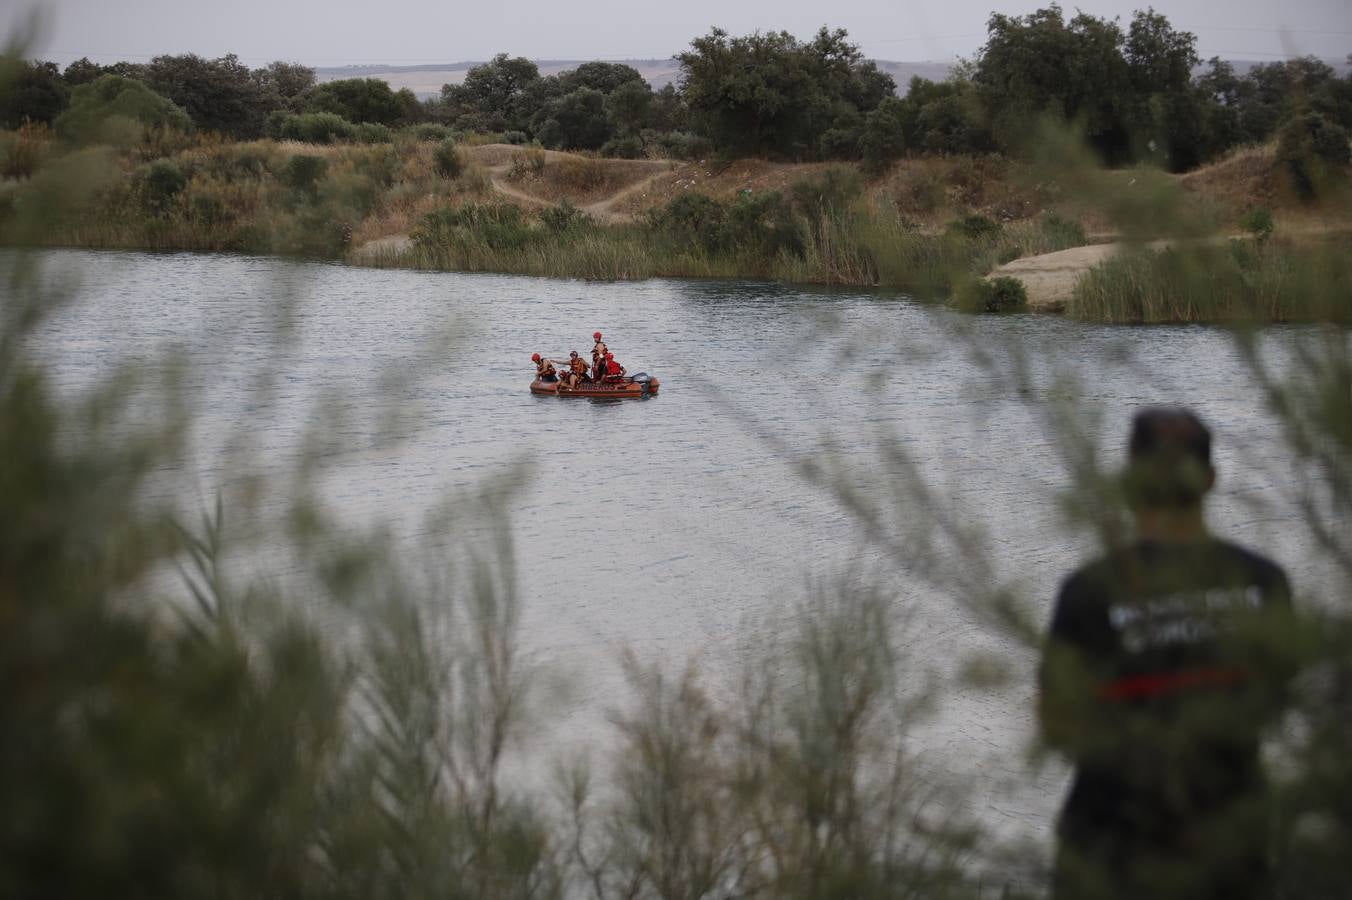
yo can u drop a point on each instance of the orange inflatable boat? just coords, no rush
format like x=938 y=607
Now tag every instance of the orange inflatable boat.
x=635 y=386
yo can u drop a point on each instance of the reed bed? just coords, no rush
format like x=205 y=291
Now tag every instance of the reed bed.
x=1261 y=281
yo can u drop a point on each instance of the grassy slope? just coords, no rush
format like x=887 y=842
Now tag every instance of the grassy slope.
x=238 y=197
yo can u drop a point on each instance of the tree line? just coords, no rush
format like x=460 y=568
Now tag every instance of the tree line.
x=1138 y=92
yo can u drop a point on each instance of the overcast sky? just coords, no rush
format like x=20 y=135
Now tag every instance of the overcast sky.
x=339 y=32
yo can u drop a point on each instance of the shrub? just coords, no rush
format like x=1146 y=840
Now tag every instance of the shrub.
x=1063 y=232
x=564 y=217
x=841 y=143
x=515 y=137
x=352 y=194
x=691 y=219
x=22 y=151
x=372 y=133
x=974 y=227
x=240 y=161
x=763 y=225
x=918 y=190
x=527 y=164
x=159 y=184
x=381 y=164
x=678 y=144
x=303 y=172
x=623 y=148
x=992 y=295
x=315 y=128
x=430 y=131
x=496 y=226
x=208 y=209
x=829 y=194
x=1313 y=153
x=1258 y=222
x=446 y=159
x=580 y=175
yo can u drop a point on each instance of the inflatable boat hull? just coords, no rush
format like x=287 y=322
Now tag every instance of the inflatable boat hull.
x=623 y=390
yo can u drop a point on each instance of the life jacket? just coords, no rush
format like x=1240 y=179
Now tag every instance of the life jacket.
x=599 y=351
x=578 y=365
x=544 y=367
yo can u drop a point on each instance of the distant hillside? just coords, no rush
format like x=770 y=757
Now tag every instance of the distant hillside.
x=426 y=80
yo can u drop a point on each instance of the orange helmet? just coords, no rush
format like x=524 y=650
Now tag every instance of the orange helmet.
x=535 y=357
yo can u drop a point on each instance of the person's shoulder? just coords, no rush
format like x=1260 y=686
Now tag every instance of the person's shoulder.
x=1255 y=563
x=1089 y=578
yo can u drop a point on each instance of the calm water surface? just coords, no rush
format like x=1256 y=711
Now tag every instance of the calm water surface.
x=670 y=526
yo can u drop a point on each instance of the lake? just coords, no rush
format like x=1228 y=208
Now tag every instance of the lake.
x=676 y=526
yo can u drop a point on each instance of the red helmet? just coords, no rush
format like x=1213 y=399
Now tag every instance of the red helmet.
x=596 y=335
x=535 y=357
x=610 y=356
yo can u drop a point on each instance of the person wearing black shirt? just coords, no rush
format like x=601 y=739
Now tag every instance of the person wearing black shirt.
x=1162 y=665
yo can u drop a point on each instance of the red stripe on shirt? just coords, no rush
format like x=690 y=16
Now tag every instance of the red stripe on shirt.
x=1156 y=683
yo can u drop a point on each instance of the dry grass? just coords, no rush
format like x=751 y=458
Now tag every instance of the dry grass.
x=935 y=190
x=1240 y=181
x=722 y=182
x=554 y=177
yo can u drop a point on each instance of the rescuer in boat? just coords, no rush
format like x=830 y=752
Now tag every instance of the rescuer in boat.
x=1165 y=660
x=614 y=371
x=544 y=369
x=577 y=371
x=598 y=357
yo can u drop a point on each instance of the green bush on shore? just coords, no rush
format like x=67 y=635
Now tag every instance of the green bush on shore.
x=993 y=295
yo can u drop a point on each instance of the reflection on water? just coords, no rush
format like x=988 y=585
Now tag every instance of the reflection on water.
x=669 y=525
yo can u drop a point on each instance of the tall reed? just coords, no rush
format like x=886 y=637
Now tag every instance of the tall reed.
x=1267 y=281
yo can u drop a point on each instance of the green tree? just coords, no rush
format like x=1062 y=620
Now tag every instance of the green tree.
x=576 y=121
x=1040 y=64
x=770 y=94
x=219 y=95
x=1224 y=97
x=884 y=137
x=282 y=84
x=31 y=92
x=490 y=93
x=94 y=106
x=82 y=71
x=629 y=106
x=1280 y=90
x=945 y=117
x=359 y=100
x=669 y=111
x=1167 y=116
x=599 y=76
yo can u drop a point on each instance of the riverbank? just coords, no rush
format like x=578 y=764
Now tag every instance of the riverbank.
x=928 y=226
